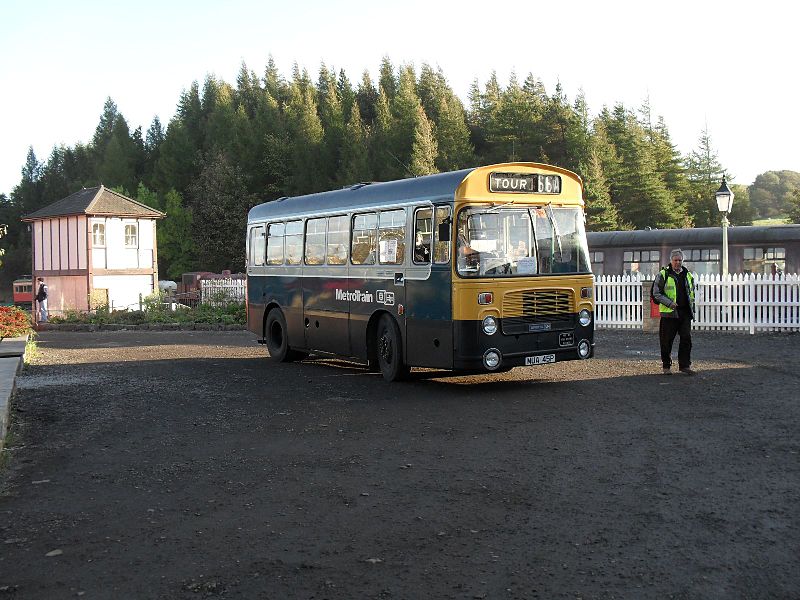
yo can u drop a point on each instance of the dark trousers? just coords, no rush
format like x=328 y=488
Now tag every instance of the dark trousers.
x=668 y=328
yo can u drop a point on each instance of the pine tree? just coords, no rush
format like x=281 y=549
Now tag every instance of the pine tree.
x=705 y=174
x=176 y=244
x=333 y=127
x=601 y=215
x=305 y=127
x=220 y=204
x=355 y=158
x=423 y=147
x=387 y=79
x=367 y=100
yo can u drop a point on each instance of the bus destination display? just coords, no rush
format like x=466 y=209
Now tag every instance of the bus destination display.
x=525 y=183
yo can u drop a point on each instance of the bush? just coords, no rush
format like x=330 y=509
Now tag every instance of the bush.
x=159 y=309
x=14 y=322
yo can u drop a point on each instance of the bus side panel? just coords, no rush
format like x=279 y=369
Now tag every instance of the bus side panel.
x=429 y=320
x=369 y=295
x=286 y=292
x=327 y=316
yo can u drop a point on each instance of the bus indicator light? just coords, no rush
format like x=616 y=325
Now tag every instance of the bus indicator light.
x=485 y=298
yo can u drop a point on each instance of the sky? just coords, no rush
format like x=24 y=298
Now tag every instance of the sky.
x=722 y=66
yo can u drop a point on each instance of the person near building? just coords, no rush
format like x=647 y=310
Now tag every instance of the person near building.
x=41 y=299
x=673 y=290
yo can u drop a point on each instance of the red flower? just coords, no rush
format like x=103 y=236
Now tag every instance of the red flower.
x=13 y=322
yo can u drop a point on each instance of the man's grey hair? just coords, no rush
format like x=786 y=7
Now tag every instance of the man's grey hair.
x=676 y=252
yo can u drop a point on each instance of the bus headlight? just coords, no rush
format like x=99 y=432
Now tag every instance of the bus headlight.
x=489 y=325
x=584 y=317
x=491 y=359
x=584 y=348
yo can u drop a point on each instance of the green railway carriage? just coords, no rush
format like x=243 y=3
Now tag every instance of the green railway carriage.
x=482 y=269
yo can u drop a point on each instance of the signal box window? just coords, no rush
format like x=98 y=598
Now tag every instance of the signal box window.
x=131 y=236
x=275 y=244
x=293 y=239
x=392 y=236
x=365 y=239
x=99 y=235
x=338 y=232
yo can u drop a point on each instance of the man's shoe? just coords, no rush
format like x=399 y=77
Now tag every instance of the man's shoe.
x=688 y=371
x=666 y=371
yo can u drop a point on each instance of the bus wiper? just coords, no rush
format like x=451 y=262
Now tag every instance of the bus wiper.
x=551 y=217
x=496 y=208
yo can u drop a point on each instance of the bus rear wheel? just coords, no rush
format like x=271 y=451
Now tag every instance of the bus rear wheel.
x=390 y=350
x=278 y=340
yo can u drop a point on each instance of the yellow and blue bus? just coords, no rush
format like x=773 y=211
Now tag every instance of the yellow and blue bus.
x=482 y=269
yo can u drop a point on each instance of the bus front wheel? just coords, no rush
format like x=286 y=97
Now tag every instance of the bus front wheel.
x=278 y=339
x=390 y=350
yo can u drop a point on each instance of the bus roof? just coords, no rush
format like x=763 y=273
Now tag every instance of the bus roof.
x=363 y=196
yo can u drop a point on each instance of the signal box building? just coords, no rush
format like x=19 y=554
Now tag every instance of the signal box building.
x=94 y=248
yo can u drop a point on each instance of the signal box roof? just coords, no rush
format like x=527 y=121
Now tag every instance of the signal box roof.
x=96 y=201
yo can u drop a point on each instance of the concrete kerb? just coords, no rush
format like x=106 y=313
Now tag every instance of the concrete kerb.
x=140 y=327
x=12 y=351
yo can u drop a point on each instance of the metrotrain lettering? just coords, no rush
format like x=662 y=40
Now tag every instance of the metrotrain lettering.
x=354 y=296
x=524 y=183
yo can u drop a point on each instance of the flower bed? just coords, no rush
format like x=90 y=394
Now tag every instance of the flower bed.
x=14 y=322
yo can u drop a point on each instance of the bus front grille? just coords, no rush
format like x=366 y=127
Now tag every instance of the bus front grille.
x=534 y=311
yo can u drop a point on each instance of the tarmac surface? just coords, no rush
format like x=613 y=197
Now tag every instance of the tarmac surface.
x=185 y=465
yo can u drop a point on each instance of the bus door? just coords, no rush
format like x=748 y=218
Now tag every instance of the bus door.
x=429 y=322
x=326 y=308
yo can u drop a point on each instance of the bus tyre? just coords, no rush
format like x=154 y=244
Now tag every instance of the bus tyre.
x=390 y=350
x=277 y=338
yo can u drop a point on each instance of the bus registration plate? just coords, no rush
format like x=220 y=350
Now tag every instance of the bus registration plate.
x=540 y=360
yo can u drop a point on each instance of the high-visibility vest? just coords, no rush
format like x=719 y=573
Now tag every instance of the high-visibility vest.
x=671 y=290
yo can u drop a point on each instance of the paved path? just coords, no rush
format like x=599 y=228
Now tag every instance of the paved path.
x=11 y=352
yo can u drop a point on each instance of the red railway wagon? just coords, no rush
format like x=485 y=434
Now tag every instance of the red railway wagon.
x=23 y=291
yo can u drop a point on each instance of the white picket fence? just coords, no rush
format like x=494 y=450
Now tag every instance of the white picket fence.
x=218 y=292
x=737 y=302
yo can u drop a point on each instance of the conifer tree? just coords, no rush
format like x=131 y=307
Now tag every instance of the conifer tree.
x=177 y=248
x=387 y=79
x=705 y=174
x=355 y=158
x=220 y=205
x=305 y=127
x=423 y=147
x=367 y=100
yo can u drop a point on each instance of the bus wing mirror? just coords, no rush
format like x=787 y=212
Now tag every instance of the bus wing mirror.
x=444 y=231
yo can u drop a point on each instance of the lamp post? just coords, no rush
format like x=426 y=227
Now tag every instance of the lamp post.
x=724 y=197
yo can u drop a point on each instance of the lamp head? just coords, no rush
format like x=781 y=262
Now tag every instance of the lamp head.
x=724 y=197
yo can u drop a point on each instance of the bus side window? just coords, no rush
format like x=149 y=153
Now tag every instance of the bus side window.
x=257 y=246
x=423 y=235
x=338 y=232
x=365 y=240
x=275 y=244
x=315 y=241
x=392 y=237
x=294 y=242
x=441 y=250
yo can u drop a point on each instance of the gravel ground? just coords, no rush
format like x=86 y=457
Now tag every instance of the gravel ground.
x=185 y=465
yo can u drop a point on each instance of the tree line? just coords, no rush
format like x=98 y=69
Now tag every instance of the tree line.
x=229 y=147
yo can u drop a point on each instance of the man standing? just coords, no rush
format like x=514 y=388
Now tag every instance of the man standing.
x=41 y=298
x=673 y=289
